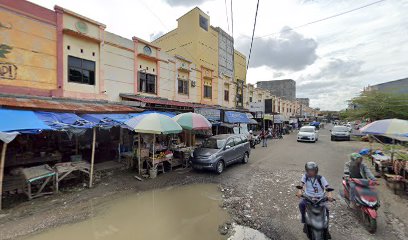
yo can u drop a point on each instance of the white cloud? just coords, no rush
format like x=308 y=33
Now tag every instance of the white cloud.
x=289 y=51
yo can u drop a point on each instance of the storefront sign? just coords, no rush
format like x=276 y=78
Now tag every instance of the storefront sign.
x=8 y=71
x=209 y=113
x=256 y=107
x=235 y=117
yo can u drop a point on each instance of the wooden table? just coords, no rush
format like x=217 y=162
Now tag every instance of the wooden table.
x=184 y=154
x=64 y=169
x=36 y=174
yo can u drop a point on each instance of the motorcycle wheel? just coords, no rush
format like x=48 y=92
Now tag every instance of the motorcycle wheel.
x=370 y=223
x=317 y=235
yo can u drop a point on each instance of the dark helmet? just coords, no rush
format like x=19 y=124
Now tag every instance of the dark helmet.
x=311 y=166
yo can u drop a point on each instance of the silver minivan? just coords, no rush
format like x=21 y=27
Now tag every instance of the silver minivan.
x=219 y=151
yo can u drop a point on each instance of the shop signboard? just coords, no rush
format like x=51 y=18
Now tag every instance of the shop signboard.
x=209 y=113
x=256 y=107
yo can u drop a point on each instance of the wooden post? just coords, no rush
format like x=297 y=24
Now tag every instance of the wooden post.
x=392 y=150
x=76 y=144
x=154 y=142
x=139 y=154
x=3 y=159
x=92 y=157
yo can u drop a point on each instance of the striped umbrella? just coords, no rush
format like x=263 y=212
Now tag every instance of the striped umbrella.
x=388 y=127
x=192 y=121
x=153 y=123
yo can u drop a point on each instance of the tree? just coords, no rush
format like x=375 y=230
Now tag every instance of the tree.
x=376 y=105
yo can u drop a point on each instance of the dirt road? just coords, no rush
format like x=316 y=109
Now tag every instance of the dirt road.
x=259 y=194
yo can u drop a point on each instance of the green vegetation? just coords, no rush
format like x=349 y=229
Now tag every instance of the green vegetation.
x=376 y=105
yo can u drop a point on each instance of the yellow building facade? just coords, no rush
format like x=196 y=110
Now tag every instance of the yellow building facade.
x=28 y=62
x=210 y=49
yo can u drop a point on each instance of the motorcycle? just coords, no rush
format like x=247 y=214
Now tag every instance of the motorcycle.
x=317 y=218
x=366 y=199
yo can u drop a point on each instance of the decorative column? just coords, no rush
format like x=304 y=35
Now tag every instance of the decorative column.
x=157 y=71
x=136 y=63
x=101 y=62
x=60 y=52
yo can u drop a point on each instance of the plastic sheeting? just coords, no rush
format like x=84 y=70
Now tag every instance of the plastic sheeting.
x=8 y=136
x=61 y=121
x=21 y=121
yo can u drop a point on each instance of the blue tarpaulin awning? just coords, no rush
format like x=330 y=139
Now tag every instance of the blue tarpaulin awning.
x=112 y=120
x=168 y=114
x=107 y=120
x=59 y=121
x=22 y=121
x=235 y=117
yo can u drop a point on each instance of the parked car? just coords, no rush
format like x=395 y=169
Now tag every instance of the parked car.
x=308 y=134
x=219 y=151
x=340 y=133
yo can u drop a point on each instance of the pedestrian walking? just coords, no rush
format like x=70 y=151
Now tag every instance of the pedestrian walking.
x=264 y=136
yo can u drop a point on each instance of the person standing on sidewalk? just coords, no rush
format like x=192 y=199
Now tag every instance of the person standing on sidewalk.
x=264 y=136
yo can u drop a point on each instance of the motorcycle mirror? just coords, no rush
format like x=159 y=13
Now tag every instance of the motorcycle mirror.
x=299 y=187
x=329 y=189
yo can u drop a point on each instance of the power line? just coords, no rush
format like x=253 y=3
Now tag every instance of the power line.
x=323 y=19
x=253 y=33
x=232 y=20
x=226 y=14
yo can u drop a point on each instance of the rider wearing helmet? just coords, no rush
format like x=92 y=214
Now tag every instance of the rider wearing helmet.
x=356 y=168
x=314 y=186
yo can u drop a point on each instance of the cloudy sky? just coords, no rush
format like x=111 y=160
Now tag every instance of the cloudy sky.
x=331 y=60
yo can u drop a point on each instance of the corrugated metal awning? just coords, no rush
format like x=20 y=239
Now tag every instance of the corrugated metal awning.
x=63 y=105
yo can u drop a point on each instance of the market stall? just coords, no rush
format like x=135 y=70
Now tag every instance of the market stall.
x=12 y=123
x=153 y=124
x=190 y=122
x=396 y=161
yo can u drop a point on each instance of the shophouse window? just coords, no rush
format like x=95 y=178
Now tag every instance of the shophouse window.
x=250 y=99
x=81 y=70
x=203 y=23
x=147 y=83
x=226 y=95
x=207 y=91
x=182 y=86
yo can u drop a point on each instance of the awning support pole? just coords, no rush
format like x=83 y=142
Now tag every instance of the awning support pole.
x=3 y=159
x=154 y=143
x=92 y=157
x=139 y=154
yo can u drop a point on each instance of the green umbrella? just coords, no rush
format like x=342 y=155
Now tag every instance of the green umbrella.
x=154 y=123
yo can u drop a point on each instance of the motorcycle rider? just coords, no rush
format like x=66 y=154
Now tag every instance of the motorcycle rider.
x=356 y=168
x=314 y=186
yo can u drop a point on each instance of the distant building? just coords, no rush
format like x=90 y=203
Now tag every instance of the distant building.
x=281 y=88
x=304 y=101
x=396 y=86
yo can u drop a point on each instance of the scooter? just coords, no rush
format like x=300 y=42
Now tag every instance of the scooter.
x=317 y=219
x=366 y=199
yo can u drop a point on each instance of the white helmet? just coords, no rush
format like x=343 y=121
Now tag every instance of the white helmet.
x=250 y=132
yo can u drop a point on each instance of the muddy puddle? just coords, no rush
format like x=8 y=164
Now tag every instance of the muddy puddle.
x=179 y=213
